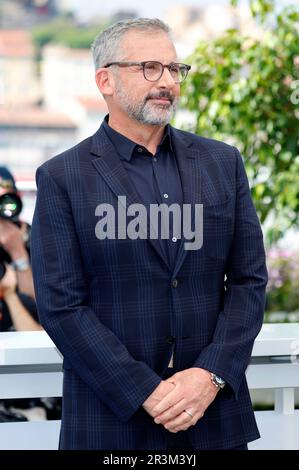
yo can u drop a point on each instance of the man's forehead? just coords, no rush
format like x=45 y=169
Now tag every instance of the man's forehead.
x=148 y=45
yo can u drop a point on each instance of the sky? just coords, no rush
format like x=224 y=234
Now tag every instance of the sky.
x=153 y=8
x=144 y=8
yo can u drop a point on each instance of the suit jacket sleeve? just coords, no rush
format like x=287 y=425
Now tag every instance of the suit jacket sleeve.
x=92 y=350
x=241 y=318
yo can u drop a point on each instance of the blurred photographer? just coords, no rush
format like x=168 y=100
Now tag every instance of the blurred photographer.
x=14 y=234
x=17 y=299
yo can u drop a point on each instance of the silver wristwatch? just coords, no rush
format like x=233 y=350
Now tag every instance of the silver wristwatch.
x=21 y=264
x=217 y=381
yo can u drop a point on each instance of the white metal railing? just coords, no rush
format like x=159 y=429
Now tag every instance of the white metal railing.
x=30 y=366
x=28 y=185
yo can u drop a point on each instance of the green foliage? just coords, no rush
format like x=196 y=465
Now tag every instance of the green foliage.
x=64 y=31
x=244 y=91
x=259 y=8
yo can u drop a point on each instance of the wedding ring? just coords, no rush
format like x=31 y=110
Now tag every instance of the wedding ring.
x=188 y=413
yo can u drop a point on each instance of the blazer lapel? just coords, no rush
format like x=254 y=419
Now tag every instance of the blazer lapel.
x=190 y=172
x=109 y=166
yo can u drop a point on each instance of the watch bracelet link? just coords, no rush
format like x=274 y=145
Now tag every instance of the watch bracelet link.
x=217 y=381
x=21 y=264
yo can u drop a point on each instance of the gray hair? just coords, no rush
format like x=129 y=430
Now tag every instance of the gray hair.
x=107 y=45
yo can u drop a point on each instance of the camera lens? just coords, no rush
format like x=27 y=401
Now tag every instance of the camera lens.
x=10 y=205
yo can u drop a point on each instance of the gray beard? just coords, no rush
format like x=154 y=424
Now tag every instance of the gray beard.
x=146 y=112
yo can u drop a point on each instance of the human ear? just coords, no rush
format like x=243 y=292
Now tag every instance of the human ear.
x=104 y=81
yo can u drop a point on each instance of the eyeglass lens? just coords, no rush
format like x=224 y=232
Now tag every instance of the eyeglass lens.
x=154 y=70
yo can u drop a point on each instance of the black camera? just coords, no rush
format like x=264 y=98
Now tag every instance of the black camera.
x=9 y=210
x=10 y=206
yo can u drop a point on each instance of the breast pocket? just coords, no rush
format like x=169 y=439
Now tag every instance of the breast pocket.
x=218 y=229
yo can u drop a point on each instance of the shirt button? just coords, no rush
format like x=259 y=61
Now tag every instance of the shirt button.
x=165 y=195
x=170 y=339
x=139 y=150
x=174 y=239
x=174 y=283
x=155 y=159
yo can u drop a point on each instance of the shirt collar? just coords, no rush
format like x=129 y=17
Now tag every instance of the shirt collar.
x=126 y=147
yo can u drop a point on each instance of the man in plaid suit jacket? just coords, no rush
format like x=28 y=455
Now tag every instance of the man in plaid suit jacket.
x=156 y=338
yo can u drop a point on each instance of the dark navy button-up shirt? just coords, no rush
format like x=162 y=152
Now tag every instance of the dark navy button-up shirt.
x=155 y=177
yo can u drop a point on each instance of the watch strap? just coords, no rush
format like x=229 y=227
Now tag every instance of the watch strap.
x=217 y=381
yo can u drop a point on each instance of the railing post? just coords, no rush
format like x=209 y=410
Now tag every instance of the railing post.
x=285 y=401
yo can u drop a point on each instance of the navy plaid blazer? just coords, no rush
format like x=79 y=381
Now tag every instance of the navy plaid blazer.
x=117 y=311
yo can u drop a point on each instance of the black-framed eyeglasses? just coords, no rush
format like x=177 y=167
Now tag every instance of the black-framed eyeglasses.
x=153 y=70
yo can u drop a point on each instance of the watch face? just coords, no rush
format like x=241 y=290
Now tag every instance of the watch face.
x=219 y=382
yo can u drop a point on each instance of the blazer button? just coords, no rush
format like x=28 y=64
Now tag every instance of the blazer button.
x=174 y=283
x=170 y=339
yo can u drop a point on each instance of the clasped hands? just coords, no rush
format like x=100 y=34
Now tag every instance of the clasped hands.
x=181 y=400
